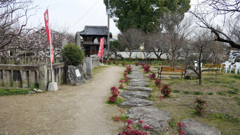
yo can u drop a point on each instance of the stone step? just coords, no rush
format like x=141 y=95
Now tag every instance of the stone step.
x=152 y=116
x=193 y=127
x=140 y=84
x=136 y=94
x=138 y=80
x=135 y=76
x=148 y=89
x=135 y=102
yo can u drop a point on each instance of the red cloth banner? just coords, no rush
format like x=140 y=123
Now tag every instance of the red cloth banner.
x=100 y=51
x=46 y=20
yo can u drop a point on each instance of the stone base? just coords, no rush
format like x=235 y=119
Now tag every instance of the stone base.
x=52 y=86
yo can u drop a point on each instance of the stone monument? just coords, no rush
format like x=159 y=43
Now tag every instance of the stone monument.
x=89 y=66
x=78 y=40
x=75 y=75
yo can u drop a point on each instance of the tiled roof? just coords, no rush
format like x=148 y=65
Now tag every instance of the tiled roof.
x=95 y=30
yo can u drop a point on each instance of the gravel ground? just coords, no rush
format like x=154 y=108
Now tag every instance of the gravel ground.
x=72 y=110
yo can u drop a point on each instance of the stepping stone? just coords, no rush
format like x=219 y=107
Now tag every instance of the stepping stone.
x=140 y=89
x=135 y=76
x=193 y=127
x=135 y=102
x=140 y=84
x=152 y=116
x=136 y=94
x=138 y=80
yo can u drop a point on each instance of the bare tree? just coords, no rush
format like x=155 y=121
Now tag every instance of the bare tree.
x=208 y=13
x=201 y=51
x=13 y=20
x=131 y=39
x=157 y=43
x=175 y=36
x=36 y=42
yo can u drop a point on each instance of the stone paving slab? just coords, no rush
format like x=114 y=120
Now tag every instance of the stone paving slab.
x=148 y=89
x=135 y=102
x=135 y=94
x=140 y=84
x=193 y=127
x=152 y=116
x=135 y=76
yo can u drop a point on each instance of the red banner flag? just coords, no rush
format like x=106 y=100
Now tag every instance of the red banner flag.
x=100 y=52
x=46 y=20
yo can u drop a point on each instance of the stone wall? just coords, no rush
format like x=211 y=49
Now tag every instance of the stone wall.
x=95 y=64
x=25 y=76
x=26 y=60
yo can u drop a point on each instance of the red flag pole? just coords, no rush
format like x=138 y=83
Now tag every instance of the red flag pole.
x=100 y=51
x=46 y=20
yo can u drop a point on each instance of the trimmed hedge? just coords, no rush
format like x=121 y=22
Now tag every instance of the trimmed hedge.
x=72 y=55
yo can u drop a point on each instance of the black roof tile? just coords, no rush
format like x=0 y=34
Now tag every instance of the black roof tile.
x=95 y=30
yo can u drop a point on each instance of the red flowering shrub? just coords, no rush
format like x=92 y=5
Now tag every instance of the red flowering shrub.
x=123 y=64
x=117 y=62
x=114 y=62
x=136 y=63
x=116 y=118
x=140 y=121
x=130 y=131
x=200 y=105
x=125 y=74
x=160 y=97
x=146 y=127
x=128 y=69
x=112 y=99
x=166 y=90
x=152 y=76
x=143 y=65
x=147 y=68
x=103 y=60
x=121 y=85
x=126 y=80
x=180 y=125
x=129 y=122
x=109 y=62
x=115 y=94
x=158 y=82
x=165 y=63
x=114 y=91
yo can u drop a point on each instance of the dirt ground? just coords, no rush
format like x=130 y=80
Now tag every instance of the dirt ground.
x=72 y=110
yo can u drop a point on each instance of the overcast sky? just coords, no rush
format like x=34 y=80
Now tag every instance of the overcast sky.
x=72 y=15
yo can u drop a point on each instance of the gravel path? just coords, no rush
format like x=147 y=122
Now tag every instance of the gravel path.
x=72 y=110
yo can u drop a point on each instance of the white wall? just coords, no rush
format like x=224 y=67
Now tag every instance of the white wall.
x=138 y=54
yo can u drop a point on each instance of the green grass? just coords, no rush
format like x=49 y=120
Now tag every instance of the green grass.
x=4 y=92
x=210 y=93
x=175 y=91
x=118 y=101
x=236 y=76
x=237 y=99
x=225 y=117
x=221 y=93
x=186 y=92
x=232 y=92
x=197 y=93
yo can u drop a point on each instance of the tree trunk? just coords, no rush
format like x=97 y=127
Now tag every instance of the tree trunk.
x=200 y=69
x=200 y=75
